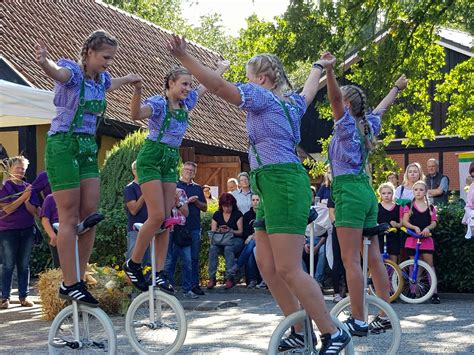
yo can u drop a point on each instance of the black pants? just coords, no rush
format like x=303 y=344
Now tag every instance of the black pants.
x=338 y=271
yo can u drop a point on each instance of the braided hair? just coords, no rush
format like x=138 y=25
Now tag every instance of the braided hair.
x=95 y=41
x=270 y=65
x=359 y=107
x=174 y=75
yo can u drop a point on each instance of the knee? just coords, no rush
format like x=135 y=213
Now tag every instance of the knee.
x=156 y=219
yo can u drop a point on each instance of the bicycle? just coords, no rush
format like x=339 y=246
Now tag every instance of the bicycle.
x=420 y=278
x=393 y=271
x=386 y=341
x=155 y=322
x=286 y=326
x=79 y=327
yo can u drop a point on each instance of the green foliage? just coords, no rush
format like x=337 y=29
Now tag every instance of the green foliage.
x=454 y=255
x=111 y=236
x=40 y=258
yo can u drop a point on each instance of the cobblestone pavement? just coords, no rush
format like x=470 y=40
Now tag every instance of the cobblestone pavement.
x=241 y=321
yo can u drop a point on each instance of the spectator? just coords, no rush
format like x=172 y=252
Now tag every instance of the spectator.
x=232 y=185
x=176 y=251
x=17 y=230
x=196 y=203
x=468 y=218
x=247 y=257
x=393 y=179
x=438 y=184
x=49 y=216
x=136 y=210
x=40 y=189
x=227 y=218
x=325 y=190
x=206 y=189
x=243 y=195
x=403 y=193
x=389 y=212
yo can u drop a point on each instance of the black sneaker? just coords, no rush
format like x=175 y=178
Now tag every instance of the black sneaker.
x=355 y=329
x=379 y=325
x=135 y=275
x=435 y=299
x=294 y=341
x=163 y=282
x=334 y=346
x=77 y=292
x=197 y=290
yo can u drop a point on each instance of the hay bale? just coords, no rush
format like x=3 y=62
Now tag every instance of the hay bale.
x=48 y=285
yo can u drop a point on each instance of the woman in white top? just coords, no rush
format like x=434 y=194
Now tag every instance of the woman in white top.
x=404 y=193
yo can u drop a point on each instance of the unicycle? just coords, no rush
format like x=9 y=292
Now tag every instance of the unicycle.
x=155 y=322
x=80 y=328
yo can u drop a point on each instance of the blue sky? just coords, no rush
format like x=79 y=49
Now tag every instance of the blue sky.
x=234 y=12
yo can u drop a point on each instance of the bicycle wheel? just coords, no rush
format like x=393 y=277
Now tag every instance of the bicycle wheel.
x=423 y=288
x=395 y=278
x=164 y=335
x=96 y=332
x=386 y=342
x=284 y=329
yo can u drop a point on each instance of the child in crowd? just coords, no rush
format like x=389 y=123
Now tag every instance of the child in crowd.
x=71 y=149
x=421 y=217
x=389 y=213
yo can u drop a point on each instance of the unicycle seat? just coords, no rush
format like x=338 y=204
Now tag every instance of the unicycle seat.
x=89 y=222
x=375 y=231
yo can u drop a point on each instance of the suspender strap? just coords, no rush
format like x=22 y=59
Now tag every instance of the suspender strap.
x=164 y=126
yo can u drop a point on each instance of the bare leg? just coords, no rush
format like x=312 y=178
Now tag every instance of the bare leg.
x=153 y=194
x=161 y=241
x=350 y=240
x=90 y=195
x=287 y=250
x=68 y=203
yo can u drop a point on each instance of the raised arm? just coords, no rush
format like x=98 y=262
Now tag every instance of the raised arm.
x=50 y=68
x=400 y=84
x=222 y=67
x=138 y=112
x=334 y=92
x=207 y=77
x=311 y=85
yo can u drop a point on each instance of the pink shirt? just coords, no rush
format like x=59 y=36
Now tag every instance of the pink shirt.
x=469 y=204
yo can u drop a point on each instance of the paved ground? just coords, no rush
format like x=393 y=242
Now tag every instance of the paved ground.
x=246 y=319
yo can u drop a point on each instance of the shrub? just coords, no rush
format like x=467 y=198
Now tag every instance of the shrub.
x=454 y=255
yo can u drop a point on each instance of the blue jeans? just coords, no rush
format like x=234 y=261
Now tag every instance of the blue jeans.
x=175 y=252
x=195 y=249
x=320 y=259
x=251 y=269
x=229 y=251
x=17 y=245
x=245 y=254
x=131 y=240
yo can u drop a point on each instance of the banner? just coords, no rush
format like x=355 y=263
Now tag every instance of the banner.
x=465 y=159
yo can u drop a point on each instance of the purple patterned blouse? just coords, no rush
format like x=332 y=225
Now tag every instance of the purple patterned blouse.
x=176 y=130
x=345 y=149
x=66 y=98
x=268 y=127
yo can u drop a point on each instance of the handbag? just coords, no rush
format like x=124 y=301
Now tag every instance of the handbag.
x=182 y=236
x=221 y=239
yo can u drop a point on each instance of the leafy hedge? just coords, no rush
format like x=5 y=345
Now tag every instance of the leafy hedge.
x=454 y=255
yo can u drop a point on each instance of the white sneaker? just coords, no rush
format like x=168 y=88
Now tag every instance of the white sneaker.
x=261 y=285
x=190 y=294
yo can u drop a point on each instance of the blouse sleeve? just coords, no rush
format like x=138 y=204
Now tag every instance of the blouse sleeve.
x=345 y=126
x=107 y=80
x=191 y=100
x=157 y=104
x=404 y=210
x=253 y=97
x=374 y=120
x=76 y=73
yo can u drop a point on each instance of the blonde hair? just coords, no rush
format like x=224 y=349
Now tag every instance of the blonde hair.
x=174 y=75
x=421 y=182
x=95 y=41
x=420 y=172
x=7 y=164
x=359 y=107
x=269 y=65
x=386 y=185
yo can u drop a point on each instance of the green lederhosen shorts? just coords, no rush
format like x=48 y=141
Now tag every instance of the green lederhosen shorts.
x=285 y=197
x=355 y=201
x=157 y=161
x=70 y=158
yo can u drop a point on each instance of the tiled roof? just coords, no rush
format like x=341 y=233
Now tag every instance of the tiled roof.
x=65 y=24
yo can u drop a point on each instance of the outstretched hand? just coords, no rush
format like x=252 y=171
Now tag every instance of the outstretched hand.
x=327 y=60
x=41 y=52
x=135 y=80
x=223 y=66
x=402 y=82
x=177 y=46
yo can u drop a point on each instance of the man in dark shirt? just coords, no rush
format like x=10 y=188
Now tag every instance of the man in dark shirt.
x=136 y=213
x=196 y=204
